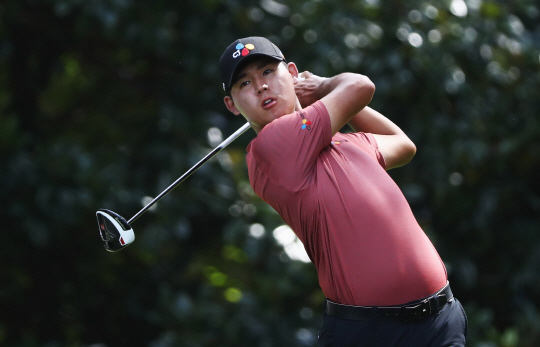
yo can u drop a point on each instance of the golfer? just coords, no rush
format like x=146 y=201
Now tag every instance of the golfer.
x=384 y=281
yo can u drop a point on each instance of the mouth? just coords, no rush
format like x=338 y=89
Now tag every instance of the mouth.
x=268 y=102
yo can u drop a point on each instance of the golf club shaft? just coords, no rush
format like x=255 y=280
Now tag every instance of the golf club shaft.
x=192 y=170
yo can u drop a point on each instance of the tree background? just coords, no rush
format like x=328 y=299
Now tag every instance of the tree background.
x=106 y=102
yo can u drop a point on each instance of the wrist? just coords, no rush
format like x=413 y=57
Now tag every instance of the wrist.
x=324 y=88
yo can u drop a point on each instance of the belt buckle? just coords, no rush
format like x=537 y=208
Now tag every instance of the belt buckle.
x=423 y=309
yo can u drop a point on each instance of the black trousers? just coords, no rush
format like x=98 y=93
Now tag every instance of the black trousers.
x=448 y=328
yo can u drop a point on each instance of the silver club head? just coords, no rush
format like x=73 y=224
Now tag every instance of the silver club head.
x=114 y=229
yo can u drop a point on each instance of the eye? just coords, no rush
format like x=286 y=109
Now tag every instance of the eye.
x=243 y=84
x=267 y=71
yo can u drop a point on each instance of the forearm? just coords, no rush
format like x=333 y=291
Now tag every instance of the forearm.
x=370 y=121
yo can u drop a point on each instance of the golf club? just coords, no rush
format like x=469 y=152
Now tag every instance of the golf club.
x=117 y=233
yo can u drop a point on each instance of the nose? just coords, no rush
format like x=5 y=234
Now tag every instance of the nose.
x=263 y=87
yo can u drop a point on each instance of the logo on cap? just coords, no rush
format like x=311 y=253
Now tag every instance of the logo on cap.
x=242 y=50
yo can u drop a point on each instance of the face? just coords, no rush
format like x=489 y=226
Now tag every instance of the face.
x=264 y=91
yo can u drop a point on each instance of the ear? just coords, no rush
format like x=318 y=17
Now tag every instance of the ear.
x=230 y=105
x=293 y=70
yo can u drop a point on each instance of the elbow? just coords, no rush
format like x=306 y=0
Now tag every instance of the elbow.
x=370 y=85
x=409 y=151
x=365 y=88
x=402 y=156
x=361 y=87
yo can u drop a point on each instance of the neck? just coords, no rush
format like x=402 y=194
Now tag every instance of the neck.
x=257 y=129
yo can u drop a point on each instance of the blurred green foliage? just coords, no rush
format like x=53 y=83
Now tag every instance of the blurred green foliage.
x=106 y=102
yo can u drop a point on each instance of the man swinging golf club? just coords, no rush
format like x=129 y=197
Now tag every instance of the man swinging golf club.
x=384 y=281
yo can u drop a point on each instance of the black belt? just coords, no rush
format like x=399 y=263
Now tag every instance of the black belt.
x=409 y=312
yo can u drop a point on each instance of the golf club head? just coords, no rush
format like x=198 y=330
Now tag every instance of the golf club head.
x=114 y=230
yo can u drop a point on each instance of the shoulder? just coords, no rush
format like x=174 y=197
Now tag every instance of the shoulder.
x=368 y=143
x=298 y=120
x=297 y=127
x=287 y=149
x=365 y=138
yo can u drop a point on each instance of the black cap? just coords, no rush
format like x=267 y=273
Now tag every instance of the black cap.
x=242 y=49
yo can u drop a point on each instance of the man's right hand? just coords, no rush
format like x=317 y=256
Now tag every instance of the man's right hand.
x=307 y=88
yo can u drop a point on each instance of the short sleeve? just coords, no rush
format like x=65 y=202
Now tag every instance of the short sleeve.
x=286 y=149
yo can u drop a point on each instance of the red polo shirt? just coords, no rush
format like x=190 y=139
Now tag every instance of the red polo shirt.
x=354 y=221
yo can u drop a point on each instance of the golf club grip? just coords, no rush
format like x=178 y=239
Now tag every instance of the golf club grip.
x=215 y=151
